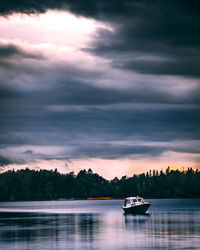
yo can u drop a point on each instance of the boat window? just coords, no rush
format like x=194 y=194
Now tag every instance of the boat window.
x=127 y=201
x=139 y=200
x=134 y=200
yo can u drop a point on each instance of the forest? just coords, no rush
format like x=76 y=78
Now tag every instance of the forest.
x=25 y=185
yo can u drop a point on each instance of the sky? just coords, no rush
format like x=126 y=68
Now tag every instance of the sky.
x=107 y=85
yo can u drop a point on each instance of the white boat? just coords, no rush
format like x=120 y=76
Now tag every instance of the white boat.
x=135 y=205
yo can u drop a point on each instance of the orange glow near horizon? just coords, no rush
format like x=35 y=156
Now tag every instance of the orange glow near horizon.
x=110 y=168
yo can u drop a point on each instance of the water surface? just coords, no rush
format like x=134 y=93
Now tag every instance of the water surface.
x=97 y=224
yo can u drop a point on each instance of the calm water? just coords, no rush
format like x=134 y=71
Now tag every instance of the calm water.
x=171 y=224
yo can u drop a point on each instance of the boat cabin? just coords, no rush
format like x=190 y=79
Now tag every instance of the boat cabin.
x=133 y=201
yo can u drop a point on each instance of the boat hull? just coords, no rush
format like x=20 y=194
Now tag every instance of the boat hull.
x=139 y=209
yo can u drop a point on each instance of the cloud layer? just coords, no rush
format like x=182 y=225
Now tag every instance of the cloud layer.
x=126 y=87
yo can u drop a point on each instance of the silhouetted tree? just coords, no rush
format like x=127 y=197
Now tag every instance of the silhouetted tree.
x=50 y=185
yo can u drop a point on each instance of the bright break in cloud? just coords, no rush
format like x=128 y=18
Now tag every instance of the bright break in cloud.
x=107 y=85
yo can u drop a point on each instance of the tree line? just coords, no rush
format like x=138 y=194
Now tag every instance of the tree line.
x=24 y=185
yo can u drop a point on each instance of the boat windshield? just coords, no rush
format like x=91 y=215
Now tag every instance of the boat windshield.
x=134 y=200
x=139 y=200
x=126 y=202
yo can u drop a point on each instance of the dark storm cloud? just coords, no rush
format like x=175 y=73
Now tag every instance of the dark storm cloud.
x=9 y=51
x=183 y=67
x=92 y=132
x=55 y=104
x=10 y=137
x=70 y=127
x=76 y=113
x=162 y=38
x=147 y=55
x=111 y=151
x=28 y=152
x=147 y=124
x=16 y=62
x=167 y=30
x=67 y=84
x=73 y=107
x=4 y=161
x=107 y=151
x=81 y=7
x=95 y=8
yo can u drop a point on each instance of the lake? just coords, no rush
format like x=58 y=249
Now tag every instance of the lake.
x=99 y=224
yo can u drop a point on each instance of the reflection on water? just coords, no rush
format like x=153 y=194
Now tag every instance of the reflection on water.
x=167 y=229
x=104 y=227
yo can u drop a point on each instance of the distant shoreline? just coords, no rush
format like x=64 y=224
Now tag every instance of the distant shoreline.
x=91 y=198
x=103 y=198
x=111 y=198
x=45 y=185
